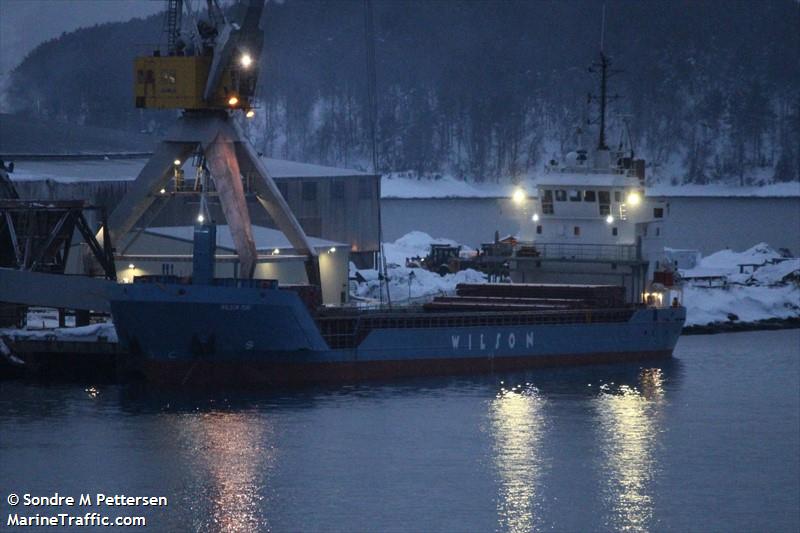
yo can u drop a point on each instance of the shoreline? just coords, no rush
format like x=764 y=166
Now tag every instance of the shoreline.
x=768 y=324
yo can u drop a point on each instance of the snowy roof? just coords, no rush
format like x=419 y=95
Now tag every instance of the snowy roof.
x=266 y=239
x=77 y=170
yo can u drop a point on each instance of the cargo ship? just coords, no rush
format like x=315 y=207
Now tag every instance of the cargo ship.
x=205 y=330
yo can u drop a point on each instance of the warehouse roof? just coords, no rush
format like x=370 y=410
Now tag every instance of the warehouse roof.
x=76 y=169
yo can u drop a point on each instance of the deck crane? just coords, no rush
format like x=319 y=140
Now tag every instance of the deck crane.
x=209 y=71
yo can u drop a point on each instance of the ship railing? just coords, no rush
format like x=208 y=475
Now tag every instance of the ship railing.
x=348 y=332
x=583 y=252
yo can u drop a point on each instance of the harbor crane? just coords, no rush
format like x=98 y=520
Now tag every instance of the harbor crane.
x=209 y=71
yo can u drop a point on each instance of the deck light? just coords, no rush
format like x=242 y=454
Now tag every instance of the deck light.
x=610 y=219
x=519 y=196
x=131 y=266
x=332 y=250
x=232 y=101
x=535 y=217
x=177 y=162
x=276 y=251
x=246 y=60
x=200 y=218
x=162 y=191
x=250 y=113
x=634 y=198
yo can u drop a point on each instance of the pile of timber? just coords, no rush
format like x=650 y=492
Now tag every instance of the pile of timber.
x=528 y=297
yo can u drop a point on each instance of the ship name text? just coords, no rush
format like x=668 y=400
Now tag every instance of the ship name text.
x=496 y=341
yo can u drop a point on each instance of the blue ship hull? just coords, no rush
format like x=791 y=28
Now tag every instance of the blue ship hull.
x=206 y=334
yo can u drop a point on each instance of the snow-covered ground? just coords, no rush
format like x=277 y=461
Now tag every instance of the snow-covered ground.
x=93 y=332
x=771 y=291
x=413 y=283
x=726 y=190
x=416 y=244
x=393 y=185
x=42 y=323
x=404 y=185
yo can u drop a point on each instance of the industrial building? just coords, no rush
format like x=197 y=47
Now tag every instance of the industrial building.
x=168 y=251
x=330 y=203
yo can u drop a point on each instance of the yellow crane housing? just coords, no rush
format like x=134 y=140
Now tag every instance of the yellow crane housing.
x=178 y=82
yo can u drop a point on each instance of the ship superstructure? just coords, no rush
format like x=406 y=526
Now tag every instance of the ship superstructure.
x=592 y=221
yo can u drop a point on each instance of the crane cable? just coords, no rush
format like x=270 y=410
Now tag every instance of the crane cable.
x=372 y=104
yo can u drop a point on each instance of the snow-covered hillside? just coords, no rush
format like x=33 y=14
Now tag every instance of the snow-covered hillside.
x=407 y=185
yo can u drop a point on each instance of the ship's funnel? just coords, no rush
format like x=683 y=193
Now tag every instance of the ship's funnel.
x=205 y=243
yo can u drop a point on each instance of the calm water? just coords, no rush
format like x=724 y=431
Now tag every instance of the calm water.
x=707 y=442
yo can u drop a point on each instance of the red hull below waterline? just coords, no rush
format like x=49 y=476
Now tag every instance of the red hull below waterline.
x=215 y=372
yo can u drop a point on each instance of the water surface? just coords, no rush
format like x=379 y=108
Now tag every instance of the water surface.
x=708 y=441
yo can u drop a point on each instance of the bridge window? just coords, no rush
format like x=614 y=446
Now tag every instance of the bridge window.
x=617 y=196
x=561 y=195
x=547 y=202
x=604 y=197
x=658 y=212
x=574 y=195
x=589 y=196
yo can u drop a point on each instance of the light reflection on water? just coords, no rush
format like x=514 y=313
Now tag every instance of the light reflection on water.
x=518 y=425
x=629 y=424
x=237 y=460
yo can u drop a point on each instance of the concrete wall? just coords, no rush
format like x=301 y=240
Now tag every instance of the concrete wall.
x=711 y=224
x=469 y=221
x=707 y=224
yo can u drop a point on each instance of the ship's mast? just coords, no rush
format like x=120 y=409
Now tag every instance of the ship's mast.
x=603 y=66
x=601 y=144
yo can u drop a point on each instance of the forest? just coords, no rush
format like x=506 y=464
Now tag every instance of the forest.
x=482 y=90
